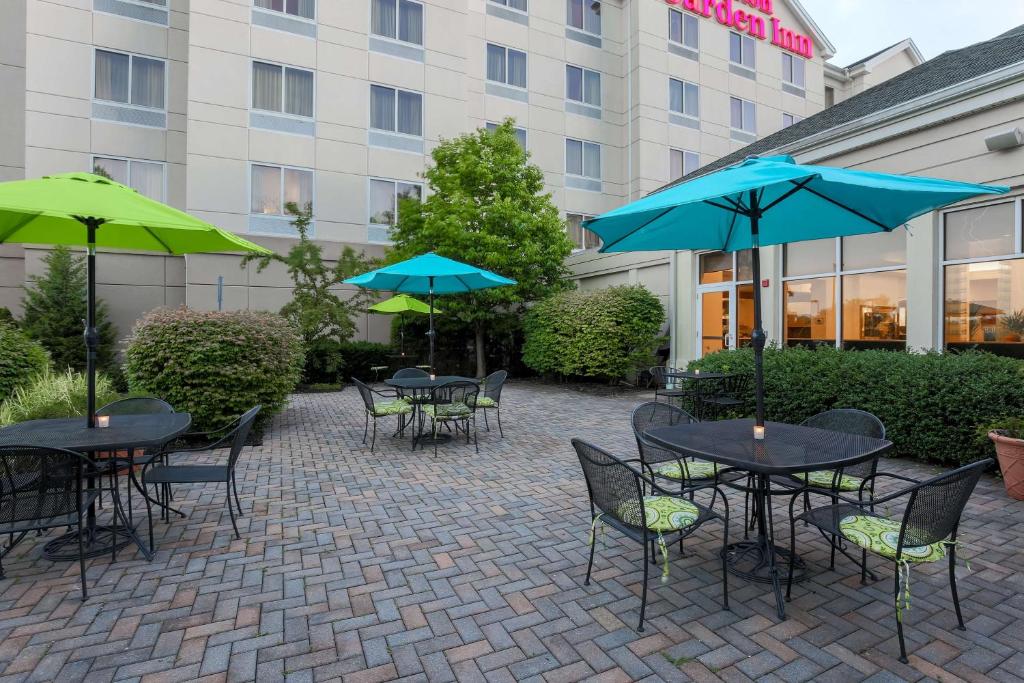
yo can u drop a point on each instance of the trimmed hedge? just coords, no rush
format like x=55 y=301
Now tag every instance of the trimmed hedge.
x=932 y=404
x=604 y=333
x=54 y=395
x=214 y=365
x=20 y=359
x=357 y=357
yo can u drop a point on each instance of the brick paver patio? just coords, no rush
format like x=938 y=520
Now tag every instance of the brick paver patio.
x=369 y=567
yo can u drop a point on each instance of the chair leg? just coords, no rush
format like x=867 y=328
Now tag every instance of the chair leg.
x=590 y=562
x=497 y=412
x=952 y=588
x=654 y=554
x=899 y=616
x=231 y=509
x=863 y=567
x=792 y=549
x=476 y=435
x=374 y=439
x=487 y=424
x=81 y=561
x=234 y=487
x=643 y=594
x=149 y=516
x=366 y=425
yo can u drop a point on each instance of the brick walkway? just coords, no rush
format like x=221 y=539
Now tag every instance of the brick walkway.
x=370 y=567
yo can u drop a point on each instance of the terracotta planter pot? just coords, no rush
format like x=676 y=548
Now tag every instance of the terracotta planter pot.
x=1011 y=461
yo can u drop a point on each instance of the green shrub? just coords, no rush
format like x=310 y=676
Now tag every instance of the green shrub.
x=357 y=357
x=323 y=362
x=214 y=365
x=932 y=404
x=603 y=333
x=20 y=359
x=53 y=395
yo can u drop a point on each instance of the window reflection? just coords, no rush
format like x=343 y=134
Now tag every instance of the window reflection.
x=984 y=306
x=875 y=310
x=580 y=236
x=984 y=231
x=810 y=311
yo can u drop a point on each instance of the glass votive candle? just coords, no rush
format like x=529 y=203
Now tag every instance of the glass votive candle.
x=759 y=432
x=433 y=377
x=102 y=420
x=697 y=371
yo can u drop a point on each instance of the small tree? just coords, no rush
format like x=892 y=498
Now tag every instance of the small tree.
x=487 y=207
x=55 y=307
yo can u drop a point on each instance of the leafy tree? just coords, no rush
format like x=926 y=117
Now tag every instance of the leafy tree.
x=55 y=307
x=487 y=207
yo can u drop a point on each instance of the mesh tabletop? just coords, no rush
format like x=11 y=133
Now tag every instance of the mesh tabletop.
x=786 y=448
x=125 y=431
x=420 y=383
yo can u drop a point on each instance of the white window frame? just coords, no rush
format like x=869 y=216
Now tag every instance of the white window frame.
x=684 y=153
x=583 y=156
x=583 y=85
x=165 y=6
x=130 y=161
x=284 y=12
x=504 y=3
x=684 y=18
x=396 y=39
x=683 y=83
x=741 y=129
x=753 y=43
x=396 y=90
x=581 y=29
x=283 y=168
x=131 y=67
x=394 y=194
x=793 y=119
x=793 y=61
x=1018 y=253
x=283 y=68
x=505 y=83
x=583 y=217
x=526 y=133
x=837 y=273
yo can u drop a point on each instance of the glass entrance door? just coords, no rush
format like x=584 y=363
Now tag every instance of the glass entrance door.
x=715 y=320
x=725 y=317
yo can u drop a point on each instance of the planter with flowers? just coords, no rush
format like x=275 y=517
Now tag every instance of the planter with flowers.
x=1008 y=437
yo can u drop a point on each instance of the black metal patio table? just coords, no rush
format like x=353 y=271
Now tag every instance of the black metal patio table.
x=125 y=433
x=418 y=387
x=785 y=450
x=697 y=378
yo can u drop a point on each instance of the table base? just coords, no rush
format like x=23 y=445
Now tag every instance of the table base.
x=748 y=560
x=97 y=541
x=430 y=440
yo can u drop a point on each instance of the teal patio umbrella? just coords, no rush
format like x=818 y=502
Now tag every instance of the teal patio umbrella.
x=773 y=200
x=430 y=274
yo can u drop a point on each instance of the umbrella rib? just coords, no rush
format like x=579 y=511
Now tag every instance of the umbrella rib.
x=736 y=208
x=855 y=212
x=18 y=227
x=461 y=282
x=160 y=241
x=789 y=193
x=732 y=224
x=635 y=230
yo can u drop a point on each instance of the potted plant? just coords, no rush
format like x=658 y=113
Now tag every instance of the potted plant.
x=1013 y=324
x=1008 y=437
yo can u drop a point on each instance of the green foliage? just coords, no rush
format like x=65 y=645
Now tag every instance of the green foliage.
x=454 y=345
x=487 y=207
x=1013 y=322
x=6 y=317
x=20 y=359
x=316 y=309
x=55 y=306
x=932 y=404
x=1012 y=427
x=215 y=365
x=54 y=395
x=603 y=333
x=358 y=357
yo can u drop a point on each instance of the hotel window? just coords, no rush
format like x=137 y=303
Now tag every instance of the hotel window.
x=129 y=79
x=396 y=111
x=386 y=199
x=830 y=96
x=583 y=159
x=682 y=162
x=682 y=29
x=275 y=187
x=742 y=50
x=789 y=119
x=742 y=115
x=793 y=70
x=581 y=237
x=583 y=85
x=147 y=177
x=850 y=289
x=584 y=15
x=684 y=98
x=505 y=65
x=397 y=19
x=983 y=276
x=512 y=4
x=297 y=8
x=282 y=89
x=520 y=133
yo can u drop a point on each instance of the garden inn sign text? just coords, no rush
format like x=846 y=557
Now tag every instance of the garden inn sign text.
x=732 y=13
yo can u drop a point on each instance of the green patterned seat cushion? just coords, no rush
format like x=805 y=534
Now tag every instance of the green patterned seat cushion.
x=668 y=513
x=694 y=469
x=447 y=411
x=395 y=407
x=485 y=402
x=881 y=535
x=823 y=479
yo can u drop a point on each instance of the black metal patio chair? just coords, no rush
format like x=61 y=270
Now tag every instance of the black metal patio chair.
x=617 y=499
x=668 y=387
x=730 y=394
x=43 y=488
x=452 y=404
x=926 y=531
x=665 y=463
x=490 y=397
x=375 y=410
x=233 y=436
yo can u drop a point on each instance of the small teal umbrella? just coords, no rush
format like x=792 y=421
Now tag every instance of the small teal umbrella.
x=430 y=274
x=773 y=200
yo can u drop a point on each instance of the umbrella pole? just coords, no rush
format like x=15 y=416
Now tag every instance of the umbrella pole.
x=757 y=337
x=92 y=341
x=430 y=333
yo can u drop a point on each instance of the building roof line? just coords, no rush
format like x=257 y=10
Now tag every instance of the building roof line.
x=828 y=49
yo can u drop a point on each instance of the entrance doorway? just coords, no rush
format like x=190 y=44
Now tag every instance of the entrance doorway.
x=725 y=298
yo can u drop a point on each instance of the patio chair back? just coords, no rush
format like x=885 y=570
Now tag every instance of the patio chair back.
x=734 y=386
x=492 y=384
x=457 y=391
x=935 y=506
x=406 y=373
x=136 y=406
x=851 y=421
x=613 y=486
x=366 y=393
x=38 y=484
x=240 y=434
x=656 y=414
x=658 y=377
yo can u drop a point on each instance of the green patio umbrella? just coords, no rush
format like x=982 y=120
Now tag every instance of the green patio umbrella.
x=400 y=305
x=82 y=209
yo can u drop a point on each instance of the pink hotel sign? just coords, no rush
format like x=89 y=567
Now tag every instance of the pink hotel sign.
x=729 y=13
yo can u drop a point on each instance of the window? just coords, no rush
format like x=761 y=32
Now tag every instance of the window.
x=282 y=89
x=397 y=19
x=684 y=98
x=792 y=70
x=297 y=8
x=682 y=162
x=830 y=96
x=583 y=85
x=983 y=278
x=789 y=119
x=505 y=65
x=742 y=115
x=580 y=236
x=584 y=15
x=742 y=50
x=386 y=199
x=129 y=79
x=850 y=291
x=682 y=29
x=583 y=159
x=274 y=187
x=147 y=177
x=520 y=133
x=396 y=111
x=512 y=4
